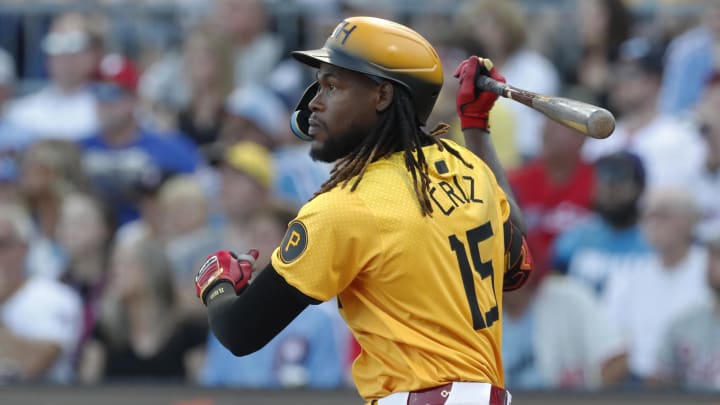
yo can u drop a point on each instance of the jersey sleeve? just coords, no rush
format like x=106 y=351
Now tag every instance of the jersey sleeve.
x=332 y=240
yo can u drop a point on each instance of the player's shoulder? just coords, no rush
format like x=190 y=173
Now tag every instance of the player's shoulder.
x=337 y=202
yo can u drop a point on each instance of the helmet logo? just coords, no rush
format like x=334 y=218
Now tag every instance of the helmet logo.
x=343 y=30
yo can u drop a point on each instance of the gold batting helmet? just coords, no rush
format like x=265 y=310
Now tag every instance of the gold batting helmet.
x=378 y=48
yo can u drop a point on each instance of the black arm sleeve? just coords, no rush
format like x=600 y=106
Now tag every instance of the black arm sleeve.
x=245 y=323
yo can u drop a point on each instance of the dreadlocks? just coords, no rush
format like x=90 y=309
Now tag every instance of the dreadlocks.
x=396 y=130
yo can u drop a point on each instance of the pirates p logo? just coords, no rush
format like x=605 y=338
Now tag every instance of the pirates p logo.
x=294 y=243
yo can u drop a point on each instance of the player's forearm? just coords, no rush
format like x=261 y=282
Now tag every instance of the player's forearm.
x=245 y=323
x=479 y=142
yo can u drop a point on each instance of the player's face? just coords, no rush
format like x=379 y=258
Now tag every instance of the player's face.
x=344 y=111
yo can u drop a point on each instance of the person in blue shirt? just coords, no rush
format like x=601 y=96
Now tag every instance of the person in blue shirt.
x=116 y=158
x=611 y=240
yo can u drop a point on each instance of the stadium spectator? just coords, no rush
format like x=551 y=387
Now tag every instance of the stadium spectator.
x=187 y=232
x=246 y=175
x=12 y=138
x=556 y=336
x=589 y=46
x=84 y=234
x=708 y=187
x=40 y=318
x=140 y=333
x=149 y=224
x=208 y=69
x=690 y=350
x=255 y=114
x=691 y=59
x=9 y=190
x=554 y=190
x=116 y=158
x=50 y=169
x=256 y=50
x=645 y=301
x=655 y=137
x=610 y=241
x=65 y=108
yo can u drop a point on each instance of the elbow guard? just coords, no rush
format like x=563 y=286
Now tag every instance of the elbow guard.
x=517 y=257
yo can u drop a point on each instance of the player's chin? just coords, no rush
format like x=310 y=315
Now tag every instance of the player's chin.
x=319 y=151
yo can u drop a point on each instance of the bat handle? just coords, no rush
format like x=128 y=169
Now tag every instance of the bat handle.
x=486 y=83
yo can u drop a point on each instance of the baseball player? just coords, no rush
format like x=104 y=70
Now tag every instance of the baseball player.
x=416 y=236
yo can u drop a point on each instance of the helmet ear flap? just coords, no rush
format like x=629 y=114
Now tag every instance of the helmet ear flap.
x=299 y=119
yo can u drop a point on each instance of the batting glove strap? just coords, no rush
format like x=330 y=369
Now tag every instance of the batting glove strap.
x=473 y=105
x=225 y=266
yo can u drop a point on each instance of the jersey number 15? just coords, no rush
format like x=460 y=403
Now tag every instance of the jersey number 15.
x=474 y=237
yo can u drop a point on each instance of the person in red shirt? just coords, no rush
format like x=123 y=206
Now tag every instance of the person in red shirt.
x=554 y=190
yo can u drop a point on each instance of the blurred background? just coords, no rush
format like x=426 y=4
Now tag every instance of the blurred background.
x=137 y=137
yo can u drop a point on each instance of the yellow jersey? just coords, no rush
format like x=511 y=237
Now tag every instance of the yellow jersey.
x=421 y=294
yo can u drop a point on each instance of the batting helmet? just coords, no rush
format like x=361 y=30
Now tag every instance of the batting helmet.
x=378 y=48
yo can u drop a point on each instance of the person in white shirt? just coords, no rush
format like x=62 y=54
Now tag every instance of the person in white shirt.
x=690 y=353
x=645 y=302
x=65 y=108
x=40 y=318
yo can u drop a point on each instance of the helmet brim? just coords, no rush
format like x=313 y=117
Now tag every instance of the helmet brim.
x=312 y=58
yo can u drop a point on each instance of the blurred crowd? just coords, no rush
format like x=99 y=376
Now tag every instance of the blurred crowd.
x=122 y=167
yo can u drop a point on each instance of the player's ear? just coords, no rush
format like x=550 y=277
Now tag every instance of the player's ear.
x=384 y=96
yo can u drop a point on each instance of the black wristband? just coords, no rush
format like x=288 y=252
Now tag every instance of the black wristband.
x=220 y=288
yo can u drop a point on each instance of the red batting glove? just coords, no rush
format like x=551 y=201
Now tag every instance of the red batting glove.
x=224 y=265
x=473 y=105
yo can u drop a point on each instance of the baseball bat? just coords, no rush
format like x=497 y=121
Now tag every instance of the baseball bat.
x=589 y=119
